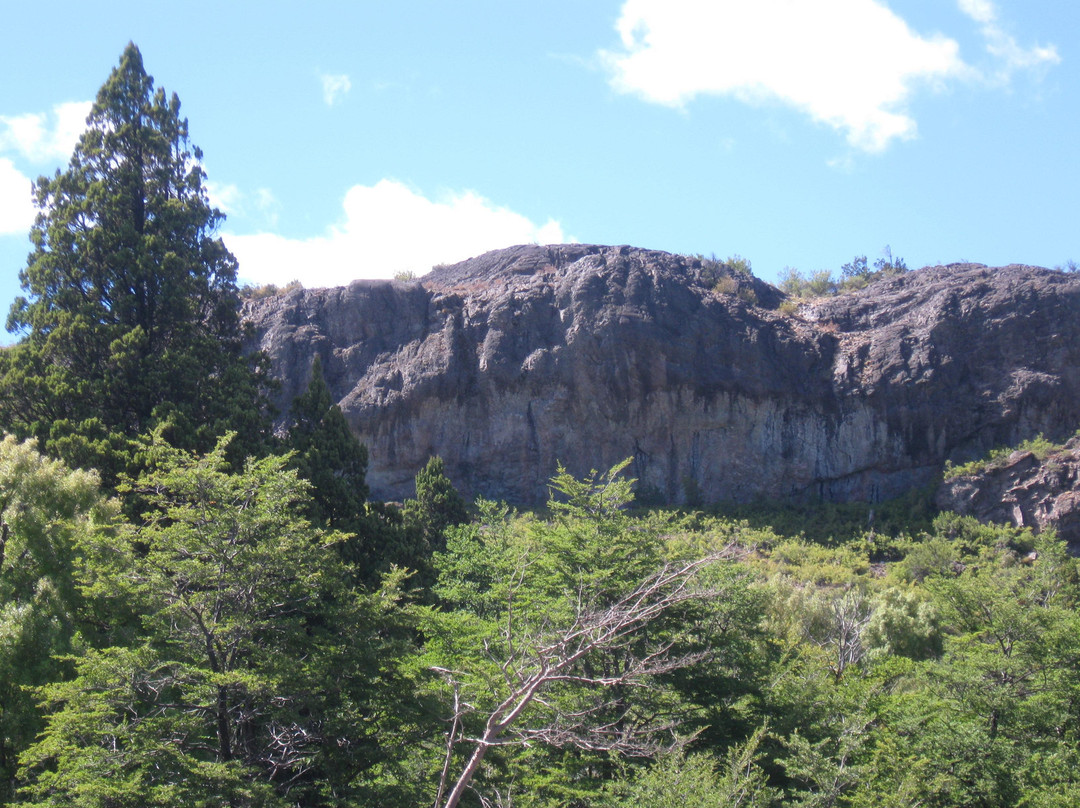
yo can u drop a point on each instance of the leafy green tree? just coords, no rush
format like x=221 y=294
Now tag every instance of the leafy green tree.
x=556 y=636
x=695 y=781
x=904 y=622
x=855 y=269
x=328 y=455
x=131 y=313
x=257 y=675
x=46 y=510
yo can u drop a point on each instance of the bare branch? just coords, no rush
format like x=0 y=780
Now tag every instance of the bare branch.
x=538 y=657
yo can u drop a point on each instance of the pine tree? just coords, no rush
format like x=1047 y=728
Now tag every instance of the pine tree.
x=131 y=313
x=438 y=505
x=328 y=455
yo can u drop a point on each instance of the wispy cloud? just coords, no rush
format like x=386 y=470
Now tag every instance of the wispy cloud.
x=388 y=228
x=1002 y=45
x=223 y=196
x=260 y=205
x=45 y=137
x=334 y=87
x=853 y=65
x=16 y=208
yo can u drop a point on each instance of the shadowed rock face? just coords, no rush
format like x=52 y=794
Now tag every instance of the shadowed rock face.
x=512 y=362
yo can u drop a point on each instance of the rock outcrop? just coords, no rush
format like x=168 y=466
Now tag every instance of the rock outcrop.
x=512 y=362
x=1025 y=490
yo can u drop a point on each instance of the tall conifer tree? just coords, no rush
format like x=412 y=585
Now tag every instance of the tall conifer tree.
x=131 y=314
x=328 y=455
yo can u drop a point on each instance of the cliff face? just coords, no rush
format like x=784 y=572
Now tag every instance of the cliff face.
x=511 y=362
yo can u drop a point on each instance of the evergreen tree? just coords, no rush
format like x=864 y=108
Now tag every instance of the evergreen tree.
x=131 y=310
x=438 y=505
x=328 y=455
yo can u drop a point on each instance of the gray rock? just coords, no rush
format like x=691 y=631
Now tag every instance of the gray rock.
x=512 y=362
x=1024 y=491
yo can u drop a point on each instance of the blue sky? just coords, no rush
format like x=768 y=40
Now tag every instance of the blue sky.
x=359 y=139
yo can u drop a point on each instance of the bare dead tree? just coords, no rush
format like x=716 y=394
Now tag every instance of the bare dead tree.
x=841 y=628
x=536 y=658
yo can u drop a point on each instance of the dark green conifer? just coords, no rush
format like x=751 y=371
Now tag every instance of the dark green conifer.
x=131 y=313
x=438 y=505
x=328 y=455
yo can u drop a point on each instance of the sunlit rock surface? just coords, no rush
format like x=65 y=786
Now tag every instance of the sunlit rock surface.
x=510 y=363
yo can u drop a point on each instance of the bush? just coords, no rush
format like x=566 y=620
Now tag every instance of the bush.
x=250 y=292
x=726 y=285
x=997 y=458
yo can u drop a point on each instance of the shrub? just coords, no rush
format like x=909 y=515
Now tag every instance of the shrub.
x=997 y=458
x=748 y=295
x=726 y=285
x=250 y=292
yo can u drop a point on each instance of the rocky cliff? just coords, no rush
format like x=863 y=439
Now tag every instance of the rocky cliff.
x=1025 y=489
x=512 y=362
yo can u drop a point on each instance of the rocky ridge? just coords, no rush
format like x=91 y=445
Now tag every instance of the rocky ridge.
x=514 y=361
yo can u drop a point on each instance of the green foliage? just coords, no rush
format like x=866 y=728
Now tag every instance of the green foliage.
x=437 y=505
x=131 y=314
x=856 y=274
x=249 y=292
x=857 y=268
x=837 y=523
x=555 y=635
x=789 y=307
x=731 y=276
x=997 y=458
x=46 y=511
x=904 y=622
x=816 y=284
x=251 y=676
x=217 y=651
x=696 y=781
x=726 y=285
x=328 y=455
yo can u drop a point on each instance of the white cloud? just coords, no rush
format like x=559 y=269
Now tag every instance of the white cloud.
x=1001 y=45
x=979 y=10
x=45 y=137
x=267 y=205
x=16 y=206
x=261 y=206
x=388 y=228
x=851 y=64
x=223 y=196
x=333 y=87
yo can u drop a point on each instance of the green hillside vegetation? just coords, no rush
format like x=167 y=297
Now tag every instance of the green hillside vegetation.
x=196 y=613
x=996 y=458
